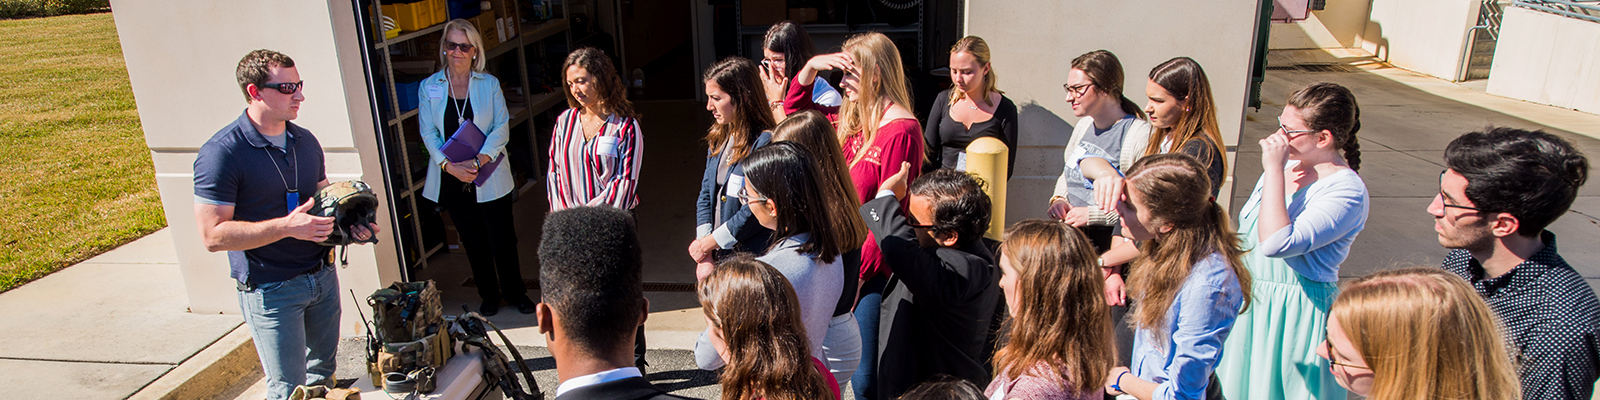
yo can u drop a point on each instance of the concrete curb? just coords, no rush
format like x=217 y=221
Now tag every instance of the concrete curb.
x=210 y=373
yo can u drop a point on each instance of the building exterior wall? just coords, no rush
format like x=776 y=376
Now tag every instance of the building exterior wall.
x=1425 y=36
x=181 y=57
x=1549 y=59
x=1339 y=24
x=1033 y=44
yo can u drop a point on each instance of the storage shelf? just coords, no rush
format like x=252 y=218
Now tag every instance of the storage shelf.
x=403 y=116
x=536 y=32
x=544 y=101
x=411 y=35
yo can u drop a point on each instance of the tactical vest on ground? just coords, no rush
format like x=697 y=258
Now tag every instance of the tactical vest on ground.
x=412 y=337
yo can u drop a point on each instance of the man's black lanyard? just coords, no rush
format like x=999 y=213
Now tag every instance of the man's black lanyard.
x=293 y=196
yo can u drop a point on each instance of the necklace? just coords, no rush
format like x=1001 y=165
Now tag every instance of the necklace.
x=599 y=123
x=461 y=113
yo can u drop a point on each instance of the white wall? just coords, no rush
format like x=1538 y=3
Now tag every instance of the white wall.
x=1424 y=36
x=1033 y=44
x=1549 y=59
x=181 y=57
x=1339 y=25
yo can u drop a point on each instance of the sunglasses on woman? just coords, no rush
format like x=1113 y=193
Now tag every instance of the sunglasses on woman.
x=285 y=87
x=463 y=47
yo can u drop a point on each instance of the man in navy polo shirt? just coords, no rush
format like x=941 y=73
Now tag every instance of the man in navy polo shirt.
x=252 y=184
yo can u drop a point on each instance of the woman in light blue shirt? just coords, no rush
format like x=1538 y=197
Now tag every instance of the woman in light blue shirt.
x=1299 y=223
x=1190 y=286
x=462 y=93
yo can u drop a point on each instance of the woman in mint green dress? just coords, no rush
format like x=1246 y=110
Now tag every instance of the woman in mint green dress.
x=1298 y=225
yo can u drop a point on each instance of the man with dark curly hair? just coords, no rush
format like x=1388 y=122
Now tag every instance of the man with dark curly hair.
x=941 y=302
x=1502 y=188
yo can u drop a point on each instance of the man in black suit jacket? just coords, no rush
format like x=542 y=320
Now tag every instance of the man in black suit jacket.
x=592 y=302
x=943 y=296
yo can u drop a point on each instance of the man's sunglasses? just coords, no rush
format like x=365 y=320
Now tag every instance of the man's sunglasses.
x=285 y=87
x=463 y=47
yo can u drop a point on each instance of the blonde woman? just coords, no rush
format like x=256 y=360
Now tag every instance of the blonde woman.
x=1417 y=333
x=878 y=133
x=461 y=93
x=972 y=108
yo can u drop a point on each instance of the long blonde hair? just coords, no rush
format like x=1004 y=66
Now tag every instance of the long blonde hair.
x=881 y=75
x=1426 y=335
x=1187 y=82
x=979 y=50
x=1061 y=317
x=811 y=130
x=1177 y=191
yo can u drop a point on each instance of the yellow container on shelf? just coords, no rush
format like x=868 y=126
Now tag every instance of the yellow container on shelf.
x=441 y=11
x=410 y=16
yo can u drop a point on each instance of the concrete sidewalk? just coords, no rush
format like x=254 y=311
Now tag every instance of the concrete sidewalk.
x=1407 y=119
x=116 y=326
x=104 y=328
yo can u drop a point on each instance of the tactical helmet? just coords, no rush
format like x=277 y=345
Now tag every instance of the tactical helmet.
x=351 y=204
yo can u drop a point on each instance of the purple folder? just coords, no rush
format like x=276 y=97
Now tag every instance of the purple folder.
x=464 y=145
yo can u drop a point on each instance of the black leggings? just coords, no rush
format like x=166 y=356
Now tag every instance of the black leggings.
x=490 y=238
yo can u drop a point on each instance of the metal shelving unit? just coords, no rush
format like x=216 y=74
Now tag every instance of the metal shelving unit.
x=420 y=231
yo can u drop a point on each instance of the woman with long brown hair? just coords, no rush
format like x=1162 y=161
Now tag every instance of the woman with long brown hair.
x=1189 y=286
x=1185 y=117
x=784 y=50
x=1418 y=333
x=1058 y=337
x=811 y=130
x=738 y=105
x=878 y=133
x=596 y=148
x=754 y=321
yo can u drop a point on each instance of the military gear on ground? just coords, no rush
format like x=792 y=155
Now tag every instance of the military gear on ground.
x=472 y=329
x=351 y=204
x=320 y=392
x=411 y=333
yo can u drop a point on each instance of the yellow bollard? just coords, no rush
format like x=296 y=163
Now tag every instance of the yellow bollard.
x=986 y=158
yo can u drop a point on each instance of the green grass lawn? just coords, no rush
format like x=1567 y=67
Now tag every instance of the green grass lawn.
x=75 y=175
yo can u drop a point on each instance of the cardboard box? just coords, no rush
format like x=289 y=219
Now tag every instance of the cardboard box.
x=762 y=12
x=485 y=23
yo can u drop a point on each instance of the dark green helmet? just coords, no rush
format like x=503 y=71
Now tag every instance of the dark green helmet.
x=351 y=204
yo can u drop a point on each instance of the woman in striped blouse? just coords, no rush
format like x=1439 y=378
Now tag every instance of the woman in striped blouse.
x=596 y=149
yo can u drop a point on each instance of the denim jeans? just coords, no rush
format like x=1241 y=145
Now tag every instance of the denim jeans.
x=295 y=324
x=865 y=378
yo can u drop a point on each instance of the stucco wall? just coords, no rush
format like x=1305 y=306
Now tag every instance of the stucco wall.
x=1033 y=46
x=1549 y=59
x=181 y=57
x=1339 y=24
x=1425 y=36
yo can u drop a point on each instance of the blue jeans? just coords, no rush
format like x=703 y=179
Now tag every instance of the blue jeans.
x=295 y=324
x=867 y=318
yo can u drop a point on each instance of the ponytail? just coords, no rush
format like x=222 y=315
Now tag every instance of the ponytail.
x=1128 y=107
x=1352 y=147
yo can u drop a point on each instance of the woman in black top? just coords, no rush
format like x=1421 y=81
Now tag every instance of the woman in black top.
x=976 y=108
